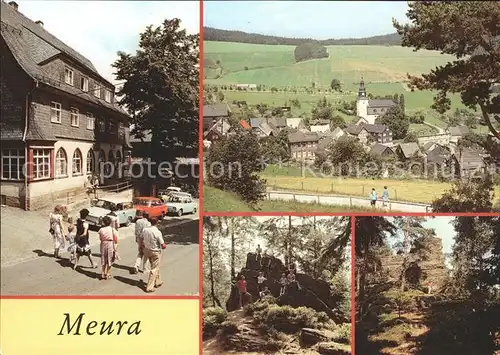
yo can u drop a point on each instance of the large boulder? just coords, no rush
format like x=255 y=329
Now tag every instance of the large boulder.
x=332 y=348
x=310 y=336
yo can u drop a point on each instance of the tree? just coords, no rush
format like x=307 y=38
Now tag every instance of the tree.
x=275 y=148
x=410 y=137
x=214 y=268
x=346 y=152
x=234 y=164
x=395 y=99
x=396 y=120
x=323 y=110
x=161 y=89
x=335 y=85
x=220 y=96
x=469 y=31
x=467 y=196
x=337 y=121
x=402 y=102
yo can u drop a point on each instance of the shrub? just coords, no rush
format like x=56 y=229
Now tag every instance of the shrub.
x=213 y=317
x=228 y=328
x=289 y=320
x=343 y=333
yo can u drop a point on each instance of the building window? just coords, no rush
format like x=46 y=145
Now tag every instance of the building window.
x=90 y=121
x=84 y=84
x=75 y=117
x=97 y=91
x=112 y=129
x=41 y=163
x=90 y=162
x=102 y=125
x=107 y=96
x=13 y=164
x=55 y=112
x=68 y=76
x=101 y=159
x=77 y=162
x=61 y=163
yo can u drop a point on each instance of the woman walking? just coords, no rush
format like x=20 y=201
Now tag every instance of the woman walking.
x=82 y=239
x=108 y=236
x=56 y=229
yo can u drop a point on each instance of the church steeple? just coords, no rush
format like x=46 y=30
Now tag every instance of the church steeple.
x=362 y=90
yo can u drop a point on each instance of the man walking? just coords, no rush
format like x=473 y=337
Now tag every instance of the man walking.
x=373 y=198
x=140 y=225
x=385 y=196
x=153 y=242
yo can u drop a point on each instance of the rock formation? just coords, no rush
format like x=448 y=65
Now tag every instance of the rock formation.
x=430 y=270
x=312 y=293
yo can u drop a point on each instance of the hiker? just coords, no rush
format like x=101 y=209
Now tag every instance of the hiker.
x=385 y=196
x=108 y=236
x=260 y=281
x=242 y=288
x=283 y=283
x=141 y=261
x=373 y=198
x=153 y=243
x=264 y=292
x=56 y=229
x=258 y=252
x=82 y=239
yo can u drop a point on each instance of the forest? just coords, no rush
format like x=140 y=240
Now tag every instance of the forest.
x=413 y=298
x=215 y=34
x=309 y=313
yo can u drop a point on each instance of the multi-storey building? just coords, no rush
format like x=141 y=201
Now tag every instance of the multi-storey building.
x=59 y=118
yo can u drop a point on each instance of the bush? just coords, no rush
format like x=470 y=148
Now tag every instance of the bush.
x=343 y=333
x=228 y=328
x=306 y=51
x=213 y=317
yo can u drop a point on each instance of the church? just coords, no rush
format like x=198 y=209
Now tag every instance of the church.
x=369 y=110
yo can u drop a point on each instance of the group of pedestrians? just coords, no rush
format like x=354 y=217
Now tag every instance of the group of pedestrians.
x=149 y=240
x=374 y=197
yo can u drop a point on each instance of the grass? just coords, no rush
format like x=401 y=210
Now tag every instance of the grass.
x=215 y=200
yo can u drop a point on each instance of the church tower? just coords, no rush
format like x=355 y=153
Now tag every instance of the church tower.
x=362 y=101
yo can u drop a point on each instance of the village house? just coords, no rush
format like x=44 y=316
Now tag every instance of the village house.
x=278 y=124
x=303 y=145
x=213 y=113
x=320 y=125
x=367 y=133
x=457 y=132
x=407 y=151
x=59 y=117
x=382 y=151
x=261 y=128
x=295 y=123
x=469 y=163
x=369 y=110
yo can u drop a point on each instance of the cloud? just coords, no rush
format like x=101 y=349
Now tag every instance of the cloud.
x=99 y=29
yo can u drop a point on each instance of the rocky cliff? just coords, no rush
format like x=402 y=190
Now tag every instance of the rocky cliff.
x=423 y=271
x=312 y=293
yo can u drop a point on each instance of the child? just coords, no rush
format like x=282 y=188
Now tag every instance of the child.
x=71 y=240
x=283 y=283
x=264 y=292
x=260 y=281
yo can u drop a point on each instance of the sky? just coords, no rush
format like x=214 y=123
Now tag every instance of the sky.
x=310 y=19
x=99 y=29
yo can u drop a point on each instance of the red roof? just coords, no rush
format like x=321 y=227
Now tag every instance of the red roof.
x=244 y=124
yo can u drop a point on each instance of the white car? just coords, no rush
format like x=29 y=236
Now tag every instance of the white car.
x=124 y=211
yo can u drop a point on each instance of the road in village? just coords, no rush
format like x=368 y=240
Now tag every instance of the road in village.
x=29 y=268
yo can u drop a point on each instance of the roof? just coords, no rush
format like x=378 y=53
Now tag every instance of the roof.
x=469 y=159
x=437 y=156
x=374 y=128
x=324 y=143
x=381 y=103
x=244 y=124
x=319 y=122
x=301 y=137
x=216 y=110
x=379 y=149
x=266 y=128
x=409 y=149
x=255 y=122
x=293 y=122
x=31 y=44
x=458 y=130
x=277 y=122
x=221 y=126
x=354 y=129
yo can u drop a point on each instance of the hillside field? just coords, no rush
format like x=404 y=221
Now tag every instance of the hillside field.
x=383 y=68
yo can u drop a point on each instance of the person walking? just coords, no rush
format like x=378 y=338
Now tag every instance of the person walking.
x=242 y=288
x=108 y=236
x=385 y=196
x=141 y=261
x=153 y=243
x=56 y=229
x=82 y=239
x=373 y=198
x=71 y=240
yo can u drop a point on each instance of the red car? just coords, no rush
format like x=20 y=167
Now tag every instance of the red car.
x=151 y=207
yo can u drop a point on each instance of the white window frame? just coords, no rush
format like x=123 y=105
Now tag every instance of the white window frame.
x=42 y=154
x=59 y=161
x=97 y=90
x=55 y=107
x=107 y=95
x=75 y=117
x=77 y=156
x=84 y=83
x=69 y=76
x=17 y=157
x=90 y=121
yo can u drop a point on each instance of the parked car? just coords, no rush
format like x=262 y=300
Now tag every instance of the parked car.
x=124 y=211
x=166 y=193
x=180 y=204
x=151 y=207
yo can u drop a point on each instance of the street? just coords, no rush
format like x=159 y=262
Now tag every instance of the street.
x=29 y=268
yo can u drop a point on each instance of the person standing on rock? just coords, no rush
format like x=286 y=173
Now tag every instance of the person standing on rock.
x=242 y=288
x=141 y=261
x=153 y=243
x=292 y=267
x=258 y=257
x=283 y=283
x=260 y=281
x=56 y=229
